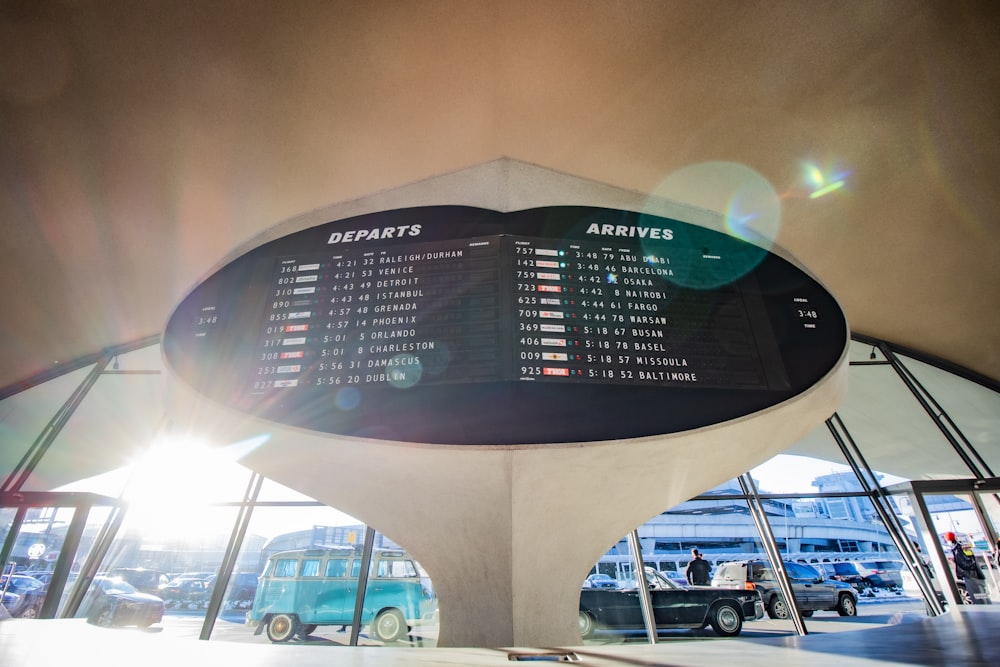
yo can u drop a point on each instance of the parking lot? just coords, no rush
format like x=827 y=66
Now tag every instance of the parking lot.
x=875 y=613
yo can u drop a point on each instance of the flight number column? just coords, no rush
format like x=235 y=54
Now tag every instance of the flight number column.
x=291 y=328
x=562 y=327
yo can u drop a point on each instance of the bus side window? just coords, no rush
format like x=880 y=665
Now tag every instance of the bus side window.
x=310 y=568
x=396 y=569
x=285 y=567
x=355 y=568
x=336 y=567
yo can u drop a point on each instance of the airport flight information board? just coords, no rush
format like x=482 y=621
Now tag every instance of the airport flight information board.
x=418 y=311
x=504 y=308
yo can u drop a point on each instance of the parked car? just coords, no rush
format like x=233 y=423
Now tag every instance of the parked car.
x=881 y=573
x=192 y=588
x=676 y=577
x=147 y=581
x=845 y=572
x=44 y=576
x=113 y=602
x=674 y=606
x=600 y=581
x=22 y=595
x=242 y=587
x=813 y=592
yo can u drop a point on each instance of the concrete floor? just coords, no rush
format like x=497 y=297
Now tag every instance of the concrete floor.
x=967 y=636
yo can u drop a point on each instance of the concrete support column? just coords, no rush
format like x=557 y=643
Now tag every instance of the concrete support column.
x=508 y=533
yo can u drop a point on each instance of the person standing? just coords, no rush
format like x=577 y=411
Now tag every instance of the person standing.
x=968 y=571
x=698 y=570
x=924 y=563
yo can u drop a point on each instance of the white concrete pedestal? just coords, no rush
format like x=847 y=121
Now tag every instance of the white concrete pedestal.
x=508 y=533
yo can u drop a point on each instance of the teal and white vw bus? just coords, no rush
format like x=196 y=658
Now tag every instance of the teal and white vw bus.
x=303 y=589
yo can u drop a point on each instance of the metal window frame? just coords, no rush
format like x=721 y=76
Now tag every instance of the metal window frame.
x=82 y=504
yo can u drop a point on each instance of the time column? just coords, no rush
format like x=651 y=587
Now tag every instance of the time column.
x=345 y=294
x=591 y=276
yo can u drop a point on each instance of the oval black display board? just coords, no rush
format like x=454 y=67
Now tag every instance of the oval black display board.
x=460 y=325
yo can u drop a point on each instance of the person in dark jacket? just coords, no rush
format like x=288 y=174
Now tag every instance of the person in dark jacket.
x=698 y=570
x=967 y=570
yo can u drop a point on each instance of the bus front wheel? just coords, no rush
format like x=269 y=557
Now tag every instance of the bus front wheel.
x=282 y=627
x=389 y=626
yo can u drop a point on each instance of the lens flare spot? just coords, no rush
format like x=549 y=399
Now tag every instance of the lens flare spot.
x=749 y=210
x=749 y=205
x=348 y=398
x=814 y=176
x=820 y=183
x=436 y=359
x=404 y=371
x=826 y=189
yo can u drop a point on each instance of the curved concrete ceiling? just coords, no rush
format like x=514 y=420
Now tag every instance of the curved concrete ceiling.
x=142 y=142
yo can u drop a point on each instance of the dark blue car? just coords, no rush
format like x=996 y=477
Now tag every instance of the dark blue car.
x=600 y=581
x=22 y=595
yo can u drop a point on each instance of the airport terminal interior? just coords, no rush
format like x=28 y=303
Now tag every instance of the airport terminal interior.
x=170 y=490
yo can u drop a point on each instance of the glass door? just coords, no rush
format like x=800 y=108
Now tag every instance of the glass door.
x=46 y=541
x=954 y=525
x=989 y=544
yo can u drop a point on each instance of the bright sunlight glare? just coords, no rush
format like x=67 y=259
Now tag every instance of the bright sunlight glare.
x=171 y=486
